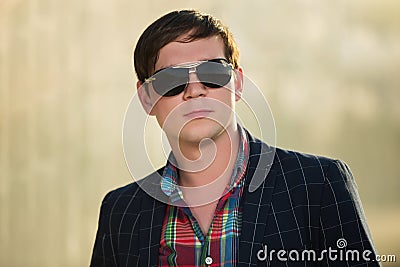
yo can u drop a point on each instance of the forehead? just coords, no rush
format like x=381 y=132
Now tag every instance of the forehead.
x=180 y=51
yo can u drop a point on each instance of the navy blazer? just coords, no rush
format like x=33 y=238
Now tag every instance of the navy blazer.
x=305 y=203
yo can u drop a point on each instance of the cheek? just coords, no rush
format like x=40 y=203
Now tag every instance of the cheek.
x=163 y=108
x=224 y=95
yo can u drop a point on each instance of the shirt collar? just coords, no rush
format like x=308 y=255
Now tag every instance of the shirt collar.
x=170 y=177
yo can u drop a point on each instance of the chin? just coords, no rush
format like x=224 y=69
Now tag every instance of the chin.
x=199 y=129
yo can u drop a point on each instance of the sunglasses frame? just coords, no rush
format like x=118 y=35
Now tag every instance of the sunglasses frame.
x=192 y=66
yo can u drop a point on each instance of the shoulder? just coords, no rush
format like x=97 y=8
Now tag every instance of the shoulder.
x=120 y=201
x=314 y=180
x=128 y=197
x=296 y=167
x=301 y=173
x=129 y=191
x=310 y=166
x=286 y=161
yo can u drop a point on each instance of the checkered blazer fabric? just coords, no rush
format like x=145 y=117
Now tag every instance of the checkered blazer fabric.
x=305 y=202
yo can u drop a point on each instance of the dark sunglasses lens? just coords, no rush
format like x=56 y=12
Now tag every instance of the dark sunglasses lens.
x=214 y=75
x=171 y=81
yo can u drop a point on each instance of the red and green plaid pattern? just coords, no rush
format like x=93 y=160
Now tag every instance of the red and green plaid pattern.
x=182 y=241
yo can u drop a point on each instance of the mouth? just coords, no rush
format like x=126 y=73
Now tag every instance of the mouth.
x=200 y=113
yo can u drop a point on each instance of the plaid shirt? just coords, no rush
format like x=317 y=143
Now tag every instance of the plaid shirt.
x=182 y=240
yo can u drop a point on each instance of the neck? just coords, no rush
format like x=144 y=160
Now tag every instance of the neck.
x=209 y=161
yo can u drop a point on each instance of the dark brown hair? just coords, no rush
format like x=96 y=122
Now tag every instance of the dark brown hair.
x=173 y=25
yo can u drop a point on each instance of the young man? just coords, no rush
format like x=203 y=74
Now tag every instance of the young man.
x=198 y=209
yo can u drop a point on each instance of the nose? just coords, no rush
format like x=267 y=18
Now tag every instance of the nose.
x=194 y=88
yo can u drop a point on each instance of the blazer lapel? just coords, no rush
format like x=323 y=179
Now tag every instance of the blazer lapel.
x=256 y=202
x=150 y=222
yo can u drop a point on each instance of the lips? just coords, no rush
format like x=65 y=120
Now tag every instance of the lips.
x=199 y=113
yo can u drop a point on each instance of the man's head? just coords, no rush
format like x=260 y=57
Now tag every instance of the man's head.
x=199 y=110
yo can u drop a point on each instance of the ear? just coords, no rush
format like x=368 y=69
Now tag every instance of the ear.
x=144 y=96
x=238 y=83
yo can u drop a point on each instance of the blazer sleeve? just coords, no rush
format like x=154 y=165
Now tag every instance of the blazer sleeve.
x=343 y=226
x=102 y=255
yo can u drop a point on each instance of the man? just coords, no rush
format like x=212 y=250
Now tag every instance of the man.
x=199 y=210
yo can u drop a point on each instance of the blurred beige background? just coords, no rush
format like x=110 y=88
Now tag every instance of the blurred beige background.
x=330 y=71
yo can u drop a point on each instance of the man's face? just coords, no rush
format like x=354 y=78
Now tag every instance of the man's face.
x=198 y=112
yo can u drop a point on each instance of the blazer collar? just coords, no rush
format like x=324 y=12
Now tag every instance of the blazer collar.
x=256 y=201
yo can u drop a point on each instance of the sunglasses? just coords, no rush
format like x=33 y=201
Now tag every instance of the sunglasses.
x=172 y=81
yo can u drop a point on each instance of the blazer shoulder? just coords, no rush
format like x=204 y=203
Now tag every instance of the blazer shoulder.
x=314 y=168
x=287 y=158
x=121 y=198
x=117 y=200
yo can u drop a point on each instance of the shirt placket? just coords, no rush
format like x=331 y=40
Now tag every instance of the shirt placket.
x=205 y=240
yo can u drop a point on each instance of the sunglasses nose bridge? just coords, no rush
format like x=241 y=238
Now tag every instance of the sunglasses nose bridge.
x=192 y=75
x=194 y=87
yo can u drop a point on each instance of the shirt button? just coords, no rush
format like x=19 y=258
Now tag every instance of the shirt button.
x=208 y=260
